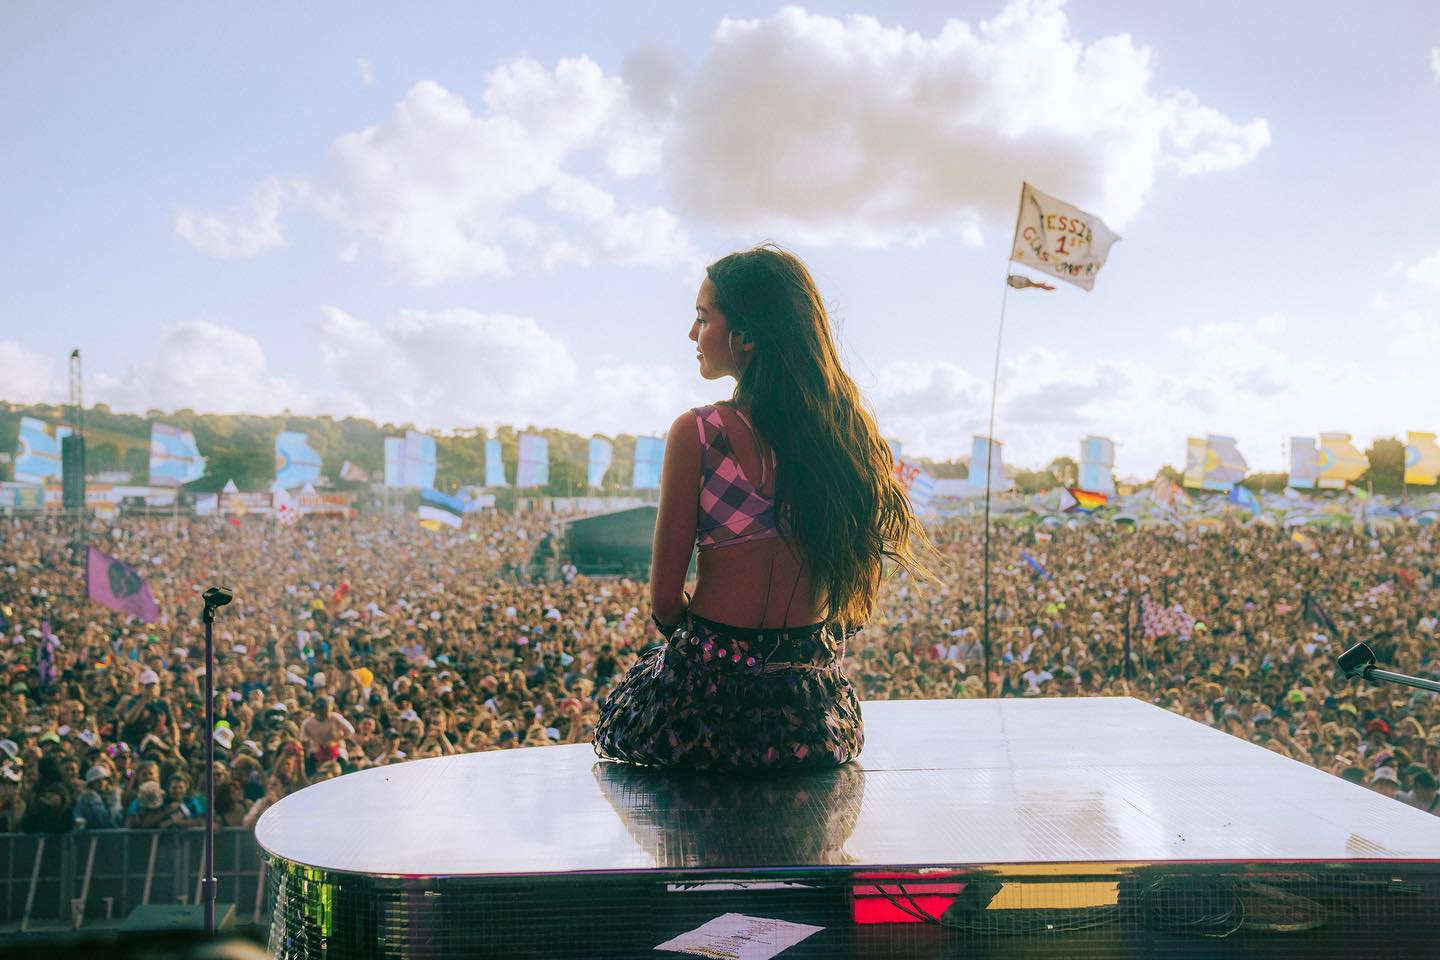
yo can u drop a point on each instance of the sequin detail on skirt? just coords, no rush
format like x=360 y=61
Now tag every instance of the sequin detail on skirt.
x=708 y=701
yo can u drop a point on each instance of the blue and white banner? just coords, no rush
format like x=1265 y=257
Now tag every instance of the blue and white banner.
x=601 y=453
x=296 y=462
x=441 y=508
x=649 y=458
x=921 y=491
x=1304 y=463
x=1097 y=465
x=394 y=461
x=419 y=468
x=987 y=456
x=534 y=468
x=494 y=465
x=174 y=457
x=37 y=457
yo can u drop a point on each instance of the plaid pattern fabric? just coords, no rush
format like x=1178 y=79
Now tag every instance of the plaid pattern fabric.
x=1156 y=620
x=731 y=510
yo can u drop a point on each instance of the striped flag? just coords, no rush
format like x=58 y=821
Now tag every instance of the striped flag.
x=1088 y=501
x=439 y=509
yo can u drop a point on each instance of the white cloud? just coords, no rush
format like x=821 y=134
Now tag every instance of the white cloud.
x=1435 y=62
x=1426 y=271
x=849 y=131
x=458 y=367
x=203 y=366
x=367 y=71
x=27 y=377
x=252 y=230
x=1413 y=335
x=447 y=192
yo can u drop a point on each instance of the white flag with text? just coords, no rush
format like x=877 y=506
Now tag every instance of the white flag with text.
x=1065 y=241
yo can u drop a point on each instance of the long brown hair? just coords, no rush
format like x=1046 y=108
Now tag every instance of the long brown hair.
x=835 y=485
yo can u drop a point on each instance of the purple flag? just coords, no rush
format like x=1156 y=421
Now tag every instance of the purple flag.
x=119 y=587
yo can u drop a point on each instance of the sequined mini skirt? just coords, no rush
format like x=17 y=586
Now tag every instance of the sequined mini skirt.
x=717 y=697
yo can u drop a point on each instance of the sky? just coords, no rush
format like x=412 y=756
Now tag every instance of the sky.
x=461 y=215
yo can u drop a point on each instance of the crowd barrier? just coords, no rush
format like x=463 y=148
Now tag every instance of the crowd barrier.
x=97 y=877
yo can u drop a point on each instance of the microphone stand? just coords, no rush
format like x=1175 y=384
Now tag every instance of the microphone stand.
x=1359 y=661
x=214 y=598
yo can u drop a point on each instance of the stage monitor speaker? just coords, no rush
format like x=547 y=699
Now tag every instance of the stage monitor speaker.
x=72 y=471
x=615 y=544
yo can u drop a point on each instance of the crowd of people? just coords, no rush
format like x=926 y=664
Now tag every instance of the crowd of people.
x=358 y=642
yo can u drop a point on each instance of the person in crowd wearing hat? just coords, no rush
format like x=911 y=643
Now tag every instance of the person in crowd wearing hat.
x=148 y=809
x=99 y=805
x=1384 y=781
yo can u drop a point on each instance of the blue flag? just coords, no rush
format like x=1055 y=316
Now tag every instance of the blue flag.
x=601 y=452
x=494 y=465
x=534 y=467
x=649 y=457
x=1035 y=565
x=1242 y=497
x=296 y=462
x=38 y=456
x=174 y=457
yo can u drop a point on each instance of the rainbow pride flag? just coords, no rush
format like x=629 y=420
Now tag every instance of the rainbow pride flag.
x=1087 y=501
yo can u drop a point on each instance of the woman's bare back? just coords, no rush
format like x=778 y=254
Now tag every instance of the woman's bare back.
x=759 y=583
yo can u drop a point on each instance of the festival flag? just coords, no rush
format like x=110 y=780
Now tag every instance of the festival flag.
x=987 y=456
x=1035 y=565
x=1157 y=620
x=419 y=461
x=919 y=485
x=352 y=473
x=649 y=458
x=1097 y=464
x=174 y=457
x=1213 y=463
x=534 y=467
x=601 y=453
x=296 y=462
x=1304 y=463
x=119 y=586
x=1088 y=501
x=440 y=509
x=1422 y=459
x=1339 y=461
x=1056 y=238
x=37 y=457
x=1242 y=497
x=394 y=461
x=494 y=465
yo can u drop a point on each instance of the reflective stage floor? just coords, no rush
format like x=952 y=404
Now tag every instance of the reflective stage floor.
x=1107 y=821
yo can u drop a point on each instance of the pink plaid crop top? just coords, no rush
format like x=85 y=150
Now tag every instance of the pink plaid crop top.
x=731 y=509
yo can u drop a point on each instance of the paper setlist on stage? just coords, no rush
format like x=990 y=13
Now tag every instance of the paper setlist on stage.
x=734 y=936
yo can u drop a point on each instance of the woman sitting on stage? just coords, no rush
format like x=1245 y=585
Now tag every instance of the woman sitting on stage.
x=788 y=492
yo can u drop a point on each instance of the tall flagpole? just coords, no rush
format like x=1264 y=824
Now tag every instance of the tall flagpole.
x=989 y=471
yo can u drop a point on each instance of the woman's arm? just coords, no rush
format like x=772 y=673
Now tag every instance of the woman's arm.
x=675 y=522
